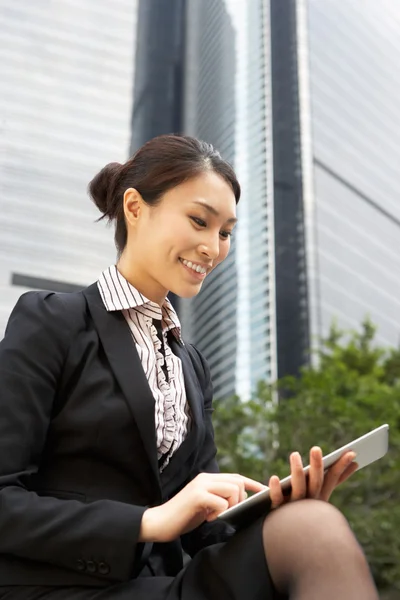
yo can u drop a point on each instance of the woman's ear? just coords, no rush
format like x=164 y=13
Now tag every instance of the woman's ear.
x=133 y=205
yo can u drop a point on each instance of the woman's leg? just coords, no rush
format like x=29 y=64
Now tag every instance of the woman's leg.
x=313 y=554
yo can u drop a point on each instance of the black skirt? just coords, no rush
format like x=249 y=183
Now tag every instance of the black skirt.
x=233 y=570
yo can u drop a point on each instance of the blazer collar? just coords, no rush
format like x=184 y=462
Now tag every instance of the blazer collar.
x=125 y=363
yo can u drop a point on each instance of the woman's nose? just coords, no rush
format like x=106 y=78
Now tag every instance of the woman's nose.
x=210 y=247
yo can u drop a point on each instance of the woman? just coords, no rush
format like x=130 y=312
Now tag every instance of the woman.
x=108 y=479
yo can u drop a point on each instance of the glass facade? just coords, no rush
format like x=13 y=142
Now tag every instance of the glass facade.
x=291 y=286
x=209 y=320
x=354 y=120
x=66 y=71
x=159 y=70
x=256 y=309
x=227 y=102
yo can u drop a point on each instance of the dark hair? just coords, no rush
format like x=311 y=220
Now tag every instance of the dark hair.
x=159 y=165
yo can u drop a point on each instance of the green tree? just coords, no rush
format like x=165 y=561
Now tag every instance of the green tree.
x=354 y=388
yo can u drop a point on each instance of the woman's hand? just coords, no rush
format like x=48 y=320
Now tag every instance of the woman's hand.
x=315 y=484
x=203 y=499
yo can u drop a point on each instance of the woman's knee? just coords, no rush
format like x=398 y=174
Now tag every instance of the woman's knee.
x=308 y=538
x=312 y=526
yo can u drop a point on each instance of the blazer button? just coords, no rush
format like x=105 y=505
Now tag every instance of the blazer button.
x=91 y=566
x=104 y=568
x=81 y=565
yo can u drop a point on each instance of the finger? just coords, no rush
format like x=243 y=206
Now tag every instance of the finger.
x=215 y=506
x=343 y=461
x=242 y=494
x=249 y=484
x=227 y=490
x=210 y=480
x=253 y=486
x=334 y=473
x=352 y=468
x=299 y=485
x=315 y=474
x=239 y=481
x=275 y=492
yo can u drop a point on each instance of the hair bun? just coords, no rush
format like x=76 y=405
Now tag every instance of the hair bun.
x=101 y=188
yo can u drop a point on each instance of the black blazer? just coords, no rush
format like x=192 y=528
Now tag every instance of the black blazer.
x=78 y=460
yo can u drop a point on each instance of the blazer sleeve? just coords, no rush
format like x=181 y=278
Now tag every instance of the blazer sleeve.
x=61 y=532
x=215 y=531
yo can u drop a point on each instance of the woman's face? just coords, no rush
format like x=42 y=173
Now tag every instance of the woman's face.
x=176 y=244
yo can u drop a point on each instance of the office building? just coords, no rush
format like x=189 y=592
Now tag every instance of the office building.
x=67 y=71
x=157 y=106
x=349 y=98
x=210 y=319
x=227 y=101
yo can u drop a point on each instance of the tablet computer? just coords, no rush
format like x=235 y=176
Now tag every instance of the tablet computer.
x=368 y=448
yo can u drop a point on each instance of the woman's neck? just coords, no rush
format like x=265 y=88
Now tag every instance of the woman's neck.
x=141 y=281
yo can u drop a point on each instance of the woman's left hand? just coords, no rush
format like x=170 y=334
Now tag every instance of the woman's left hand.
x=316 y=484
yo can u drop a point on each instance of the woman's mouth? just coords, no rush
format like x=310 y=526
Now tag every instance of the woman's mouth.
x=196 y=270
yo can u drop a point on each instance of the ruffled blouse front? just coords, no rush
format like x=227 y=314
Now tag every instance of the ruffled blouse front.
x=171 y=415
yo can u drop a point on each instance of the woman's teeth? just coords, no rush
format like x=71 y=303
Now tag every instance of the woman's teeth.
x=194 y=267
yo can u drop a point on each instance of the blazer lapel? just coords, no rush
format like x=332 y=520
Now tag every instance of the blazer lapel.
x=194 y=395
x=124 y=360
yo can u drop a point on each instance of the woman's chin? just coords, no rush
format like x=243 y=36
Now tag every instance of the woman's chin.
x=187 y=291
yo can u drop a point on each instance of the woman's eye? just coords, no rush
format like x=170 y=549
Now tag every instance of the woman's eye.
x=199 y=222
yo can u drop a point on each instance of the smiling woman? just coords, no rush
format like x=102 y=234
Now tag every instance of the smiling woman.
x=109 y=487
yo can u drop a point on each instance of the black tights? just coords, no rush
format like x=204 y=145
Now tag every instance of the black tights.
x=312 y=554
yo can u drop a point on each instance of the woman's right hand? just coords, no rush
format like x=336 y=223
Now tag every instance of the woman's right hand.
x=203 y=499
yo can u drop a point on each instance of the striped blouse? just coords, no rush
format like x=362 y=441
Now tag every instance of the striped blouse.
x=162 y=367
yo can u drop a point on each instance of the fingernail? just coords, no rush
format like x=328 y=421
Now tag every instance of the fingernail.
x=352 y=456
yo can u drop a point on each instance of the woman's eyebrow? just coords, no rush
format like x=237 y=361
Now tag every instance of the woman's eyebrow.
x=213 y=211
